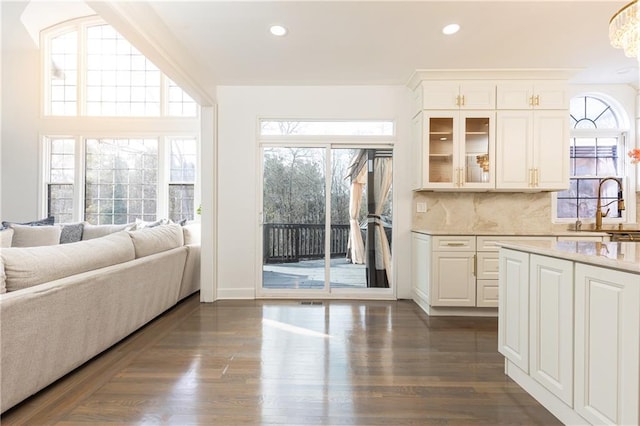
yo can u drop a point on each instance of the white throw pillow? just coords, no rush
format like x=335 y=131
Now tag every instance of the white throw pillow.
x=157 y=239
x=35 y=236
x=6 y=235
x=96 y=231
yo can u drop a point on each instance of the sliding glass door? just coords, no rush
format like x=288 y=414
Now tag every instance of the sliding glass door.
x=326 y=219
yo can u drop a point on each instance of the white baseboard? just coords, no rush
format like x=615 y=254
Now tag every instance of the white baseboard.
x=236 y=293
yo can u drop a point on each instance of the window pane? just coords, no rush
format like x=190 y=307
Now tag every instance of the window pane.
x=326 y=128
x=181 y=202
x=121 y=177
x=119 y=76
x=183 y=160
x=60 y=202
x=63 y=83
x=180 y=104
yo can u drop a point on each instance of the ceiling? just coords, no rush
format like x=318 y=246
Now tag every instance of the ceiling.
x=210 y=43
x=383 y=42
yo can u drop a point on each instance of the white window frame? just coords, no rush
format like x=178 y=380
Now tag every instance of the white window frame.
x=628 y=173
x=81 y=127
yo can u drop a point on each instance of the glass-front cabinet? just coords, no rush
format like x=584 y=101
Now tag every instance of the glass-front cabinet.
x=455 y=150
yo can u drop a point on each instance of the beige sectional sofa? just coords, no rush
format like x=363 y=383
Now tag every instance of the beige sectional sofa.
x=64 y=304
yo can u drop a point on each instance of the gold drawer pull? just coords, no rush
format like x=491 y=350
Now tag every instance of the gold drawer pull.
x=455 y=244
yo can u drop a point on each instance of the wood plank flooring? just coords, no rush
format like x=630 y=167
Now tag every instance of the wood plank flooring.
x=287 y=363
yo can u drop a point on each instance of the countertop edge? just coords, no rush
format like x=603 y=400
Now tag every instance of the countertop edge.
x=592 y=253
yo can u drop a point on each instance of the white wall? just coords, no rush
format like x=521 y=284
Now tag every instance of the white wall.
x=238 y=174
x=19 y=166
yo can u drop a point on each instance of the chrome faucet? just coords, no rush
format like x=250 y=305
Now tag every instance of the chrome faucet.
x=599 y=206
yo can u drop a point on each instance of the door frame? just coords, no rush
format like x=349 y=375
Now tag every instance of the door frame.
x=327 y=292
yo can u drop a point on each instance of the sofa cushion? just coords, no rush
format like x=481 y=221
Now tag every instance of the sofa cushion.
x=6 y=235
x=191 y=233
x=159 y=238
x=3 y=277
x=71 y=232
x=90 y=231
x=33 y=236
x=26 y=267
x=42 y=222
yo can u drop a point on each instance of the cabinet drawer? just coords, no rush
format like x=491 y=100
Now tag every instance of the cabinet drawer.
x=488 y=266
x=487 y=293
x=489 y=243
x=454 y=243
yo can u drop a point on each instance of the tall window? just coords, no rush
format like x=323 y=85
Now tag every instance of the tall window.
x=182 y=179
x=597 y=151
x=92 y=70
x=121 y=180
x=133 y=166
x=59 y=184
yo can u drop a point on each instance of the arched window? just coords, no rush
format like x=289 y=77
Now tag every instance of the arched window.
x=92 y=70
x=127 y=148
x=597 y=150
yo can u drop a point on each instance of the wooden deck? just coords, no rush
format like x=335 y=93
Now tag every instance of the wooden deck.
x=309 y=274
x=286 y=363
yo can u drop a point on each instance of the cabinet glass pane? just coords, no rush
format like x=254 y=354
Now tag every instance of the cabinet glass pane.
x=476 y=149
x=440 y=149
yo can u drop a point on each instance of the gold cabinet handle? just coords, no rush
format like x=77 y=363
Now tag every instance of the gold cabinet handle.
x=475 y=264
x=462 y=100
x=537 y=100
x=457 y=172
x=461 y=179
x=531 y=100
x=458 y=100
x=536 y=181
x=530 y=178
x=450 y=244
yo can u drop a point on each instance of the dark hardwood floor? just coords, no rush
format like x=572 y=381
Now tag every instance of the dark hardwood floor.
x=288 y=363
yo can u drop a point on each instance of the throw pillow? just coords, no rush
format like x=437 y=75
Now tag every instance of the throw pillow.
x=42 y=222
x=157 y=239
x=6 y=235
x=32 y=236
x=141 y=224
x=71 y=232
x=90 y=231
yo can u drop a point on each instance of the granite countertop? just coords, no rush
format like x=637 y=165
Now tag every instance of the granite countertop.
x=566 y=233
x=623 y=256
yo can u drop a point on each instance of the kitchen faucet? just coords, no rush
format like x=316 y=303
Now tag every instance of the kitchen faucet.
x=599 y=206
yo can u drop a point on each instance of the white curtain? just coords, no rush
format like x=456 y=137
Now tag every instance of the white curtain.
x=356 y=245
x=382 y=184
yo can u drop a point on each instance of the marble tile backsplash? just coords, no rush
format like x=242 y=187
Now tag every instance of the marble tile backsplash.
x=487 y=212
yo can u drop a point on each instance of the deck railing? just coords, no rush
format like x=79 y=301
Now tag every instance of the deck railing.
x=291 y=242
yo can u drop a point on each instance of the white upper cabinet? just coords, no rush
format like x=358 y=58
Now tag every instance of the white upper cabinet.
x=454 y=150
x=491 y=131
x=532 y=95
x=455 y=95
x=532 y=150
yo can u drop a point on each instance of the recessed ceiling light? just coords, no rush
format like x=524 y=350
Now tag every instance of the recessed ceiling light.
x=278 y=30
x=451 y=29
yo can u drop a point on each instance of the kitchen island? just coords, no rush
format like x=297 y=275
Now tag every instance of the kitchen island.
x=569 y=327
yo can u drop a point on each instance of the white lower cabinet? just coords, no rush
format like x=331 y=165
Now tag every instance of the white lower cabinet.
x=551 y=324
x=420 y=264
x=513 y=309
x=454 y=281
x=607 y=345
x=573 y=332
